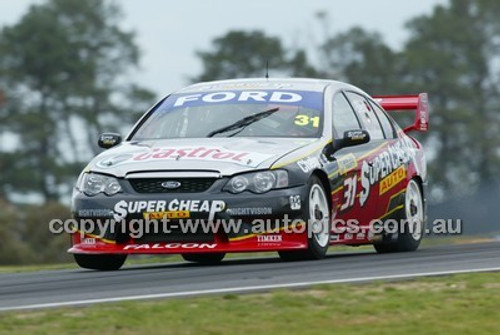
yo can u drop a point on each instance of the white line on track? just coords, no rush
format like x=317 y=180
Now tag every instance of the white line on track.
x=242 y=289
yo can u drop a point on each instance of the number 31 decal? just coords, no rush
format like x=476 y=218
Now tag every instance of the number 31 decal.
x=350 y=185
x=304 y=120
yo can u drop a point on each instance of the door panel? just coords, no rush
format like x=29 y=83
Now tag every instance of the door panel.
x=358 y=201
x=350 y=213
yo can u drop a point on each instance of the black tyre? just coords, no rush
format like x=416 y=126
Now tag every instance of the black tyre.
x=317 y=210
x=100 y=262
x=412 y=219
x=206 y=259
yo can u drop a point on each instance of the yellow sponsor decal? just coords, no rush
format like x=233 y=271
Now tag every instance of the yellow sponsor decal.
x=94 y=236
x=347 y=163
x=168 y=215
x=393 y=179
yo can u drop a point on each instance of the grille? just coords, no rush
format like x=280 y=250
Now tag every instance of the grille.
x=188 y=185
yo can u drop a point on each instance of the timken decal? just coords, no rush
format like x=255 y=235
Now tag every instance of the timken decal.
x=269 y=238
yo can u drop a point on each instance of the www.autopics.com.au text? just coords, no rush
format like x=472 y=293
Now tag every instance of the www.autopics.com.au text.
x=136 y=228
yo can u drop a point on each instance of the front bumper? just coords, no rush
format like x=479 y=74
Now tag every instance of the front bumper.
x=247 y=222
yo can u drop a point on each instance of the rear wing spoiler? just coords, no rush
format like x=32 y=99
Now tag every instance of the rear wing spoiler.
x=419 y=103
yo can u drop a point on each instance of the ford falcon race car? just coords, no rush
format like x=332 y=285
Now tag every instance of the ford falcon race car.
x=286 y=165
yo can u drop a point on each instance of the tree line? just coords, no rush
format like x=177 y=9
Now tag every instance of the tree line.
x=63 y=80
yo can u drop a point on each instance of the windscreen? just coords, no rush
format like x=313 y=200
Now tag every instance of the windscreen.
x=264 y=113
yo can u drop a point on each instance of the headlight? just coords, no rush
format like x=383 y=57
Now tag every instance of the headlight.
x=264 y=181
x=258 y=182
x=238 y=184
x=92 y=184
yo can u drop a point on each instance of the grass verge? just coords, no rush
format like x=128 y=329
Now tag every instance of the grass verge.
x=459 y=304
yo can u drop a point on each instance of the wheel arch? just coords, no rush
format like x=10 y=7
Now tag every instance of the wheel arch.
x=323 y=177
x=421 y=185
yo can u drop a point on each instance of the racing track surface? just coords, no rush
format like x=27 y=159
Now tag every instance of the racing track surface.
x=82 y=287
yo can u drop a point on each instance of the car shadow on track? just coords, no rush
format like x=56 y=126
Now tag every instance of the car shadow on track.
x=245 y=261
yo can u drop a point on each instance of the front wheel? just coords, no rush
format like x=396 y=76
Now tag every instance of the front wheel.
x=318 y=216
x=206 y=259
x=411 y=222
x=100 y=262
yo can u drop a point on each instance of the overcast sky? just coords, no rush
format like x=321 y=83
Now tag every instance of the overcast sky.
x=169 y=32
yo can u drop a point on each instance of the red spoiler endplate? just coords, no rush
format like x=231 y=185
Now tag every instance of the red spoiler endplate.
x=419 y=103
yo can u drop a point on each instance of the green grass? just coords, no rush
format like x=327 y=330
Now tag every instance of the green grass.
x=34 y=268
x=457 y=239
x=459 y=304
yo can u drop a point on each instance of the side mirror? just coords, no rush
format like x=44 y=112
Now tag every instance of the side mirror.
x=109 y=140
x=354 y=137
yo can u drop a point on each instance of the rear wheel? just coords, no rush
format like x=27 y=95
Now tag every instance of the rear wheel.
x=413 y=220
x=100 y=262
x=318 y=212
x=207 y=259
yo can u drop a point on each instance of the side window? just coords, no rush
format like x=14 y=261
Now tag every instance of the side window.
x=384 y=121
x=343 y=116
x=367 y=115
